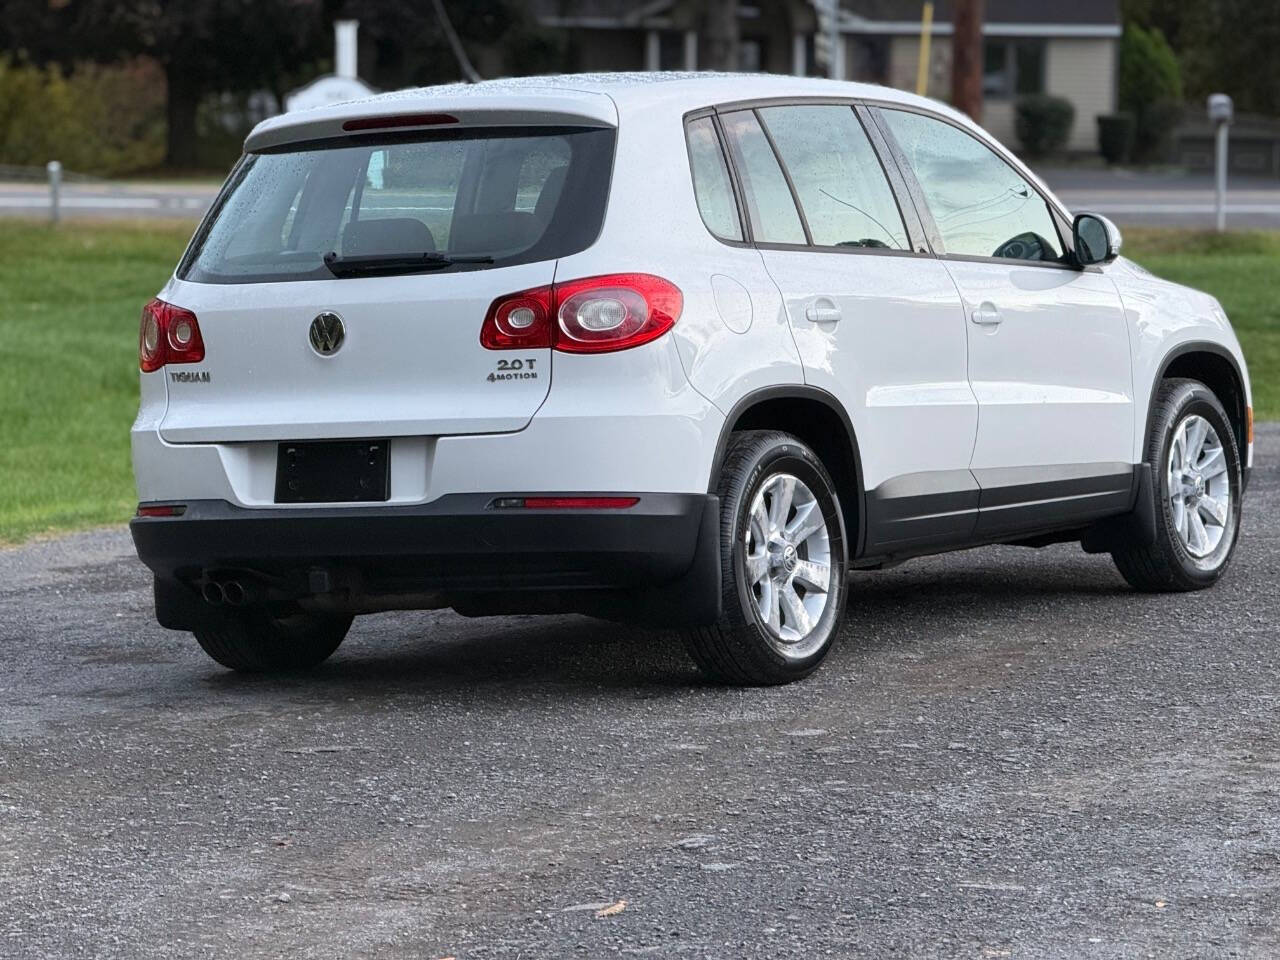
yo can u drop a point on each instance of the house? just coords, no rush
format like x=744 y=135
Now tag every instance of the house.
x=1031 y=46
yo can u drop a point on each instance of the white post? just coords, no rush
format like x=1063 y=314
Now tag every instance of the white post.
x=653 y=50
x=691 y=49
x=837 y=55
x=54 y=169
x=344 y=48
x=1221 y=172
x=798 y=65
x=1221 y=112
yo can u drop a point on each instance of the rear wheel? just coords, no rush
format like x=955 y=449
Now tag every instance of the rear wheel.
x=252 y=641
x=1192 y=450
x=784 y=561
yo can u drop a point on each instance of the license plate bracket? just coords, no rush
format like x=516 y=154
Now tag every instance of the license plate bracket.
x=333 y=471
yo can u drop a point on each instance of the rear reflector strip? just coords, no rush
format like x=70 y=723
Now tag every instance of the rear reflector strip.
x=400 y=120
x=564 y=503
x=162 y=510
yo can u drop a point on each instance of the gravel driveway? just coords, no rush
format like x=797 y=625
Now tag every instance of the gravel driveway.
x=1009 y=755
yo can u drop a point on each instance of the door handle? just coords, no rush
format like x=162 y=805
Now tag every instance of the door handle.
x=822 y=310
x=986 y=315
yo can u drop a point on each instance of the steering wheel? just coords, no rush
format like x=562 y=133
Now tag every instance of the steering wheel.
x=1025 y=246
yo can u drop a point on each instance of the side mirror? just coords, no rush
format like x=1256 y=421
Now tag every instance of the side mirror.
x=1097 y=239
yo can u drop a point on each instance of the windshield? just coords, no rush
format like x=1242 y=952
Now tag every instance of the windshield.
x=471 y=198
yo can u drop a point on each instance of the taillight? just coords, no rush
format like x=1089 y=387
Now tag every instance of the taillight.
x=168 y=334
x=591 y=315
x=521 y=320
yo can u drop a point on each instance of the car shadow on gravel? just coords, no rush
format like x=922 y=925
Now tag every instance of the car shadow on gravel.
x=408 y=652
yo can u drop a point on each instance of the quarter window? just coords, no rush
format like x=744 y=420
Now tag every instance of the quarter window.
x=769 y=203
x=711 y=184
x=982 y=206
x=843 y=191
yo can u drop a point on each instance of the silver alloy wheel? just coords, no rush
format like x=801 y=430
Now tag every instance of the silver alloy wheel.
x=1199 y=486
x=788 y=563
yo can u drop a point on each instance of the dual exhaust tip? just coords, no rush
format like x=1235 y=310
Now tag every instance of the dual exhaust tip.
x=232 y=593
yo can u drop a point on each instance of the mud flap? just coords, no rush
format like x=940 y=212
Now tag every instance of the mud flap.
x=1135 y=528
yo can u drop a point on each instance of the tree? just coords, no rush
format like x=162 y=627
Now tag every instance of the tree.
x=1212 y=39
x=202 y=46
x=1150 y=89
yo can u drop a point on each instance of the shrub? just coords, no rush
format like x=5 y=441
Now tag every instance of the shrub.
x=1043 y=123
x=1150 y=89
x=1115 y=137
x=105 y=120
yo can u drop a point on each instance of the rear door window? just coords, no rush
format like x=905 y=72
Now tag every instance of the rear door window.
x=482 y=193
x=842 y=188
x=770 y=206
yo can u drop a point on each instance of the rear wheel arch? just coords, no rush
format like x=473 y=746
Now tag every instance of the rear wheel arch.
x=818 y=419
x=1215 y=367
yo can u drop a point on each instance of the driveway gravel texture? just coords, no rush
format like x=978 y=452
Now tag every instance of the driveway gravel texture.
x=1010 y=754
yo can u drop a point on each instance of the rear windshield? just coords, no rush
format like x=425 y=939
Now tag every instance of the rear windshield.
x=491 y=197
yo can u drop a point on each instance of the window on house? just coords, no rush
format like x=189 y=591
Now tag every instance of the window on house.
x=1012 y=68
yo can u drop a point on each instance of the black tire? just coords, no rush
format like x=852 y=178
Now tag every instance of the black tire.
x=1167 y=565
x=740 y=648
x=255 y=642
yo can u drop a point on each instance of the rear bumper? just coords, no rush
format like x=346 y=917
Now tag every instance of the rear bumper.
x=664 y=549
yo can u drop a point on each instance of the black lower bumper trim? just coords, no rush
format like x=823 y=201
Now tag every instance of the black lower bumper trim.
x=458 y=544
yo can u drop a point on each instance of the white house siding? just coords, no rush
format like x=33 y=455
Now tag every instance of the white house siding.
x=1083 y=70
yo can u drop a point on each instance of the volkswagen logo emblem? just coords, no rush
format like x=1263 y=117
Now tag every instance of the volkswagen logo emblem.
x=327 y=334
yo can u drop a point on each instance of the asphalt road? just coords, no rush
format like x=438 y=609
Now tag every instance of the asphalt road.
x=1173 y=198
x=1130 y=197
x=1009 y=755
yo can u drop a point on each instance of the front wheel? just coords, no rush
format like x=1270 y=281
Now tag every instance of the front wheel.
x=1192 y=450
x=784 y=561
x=253 y=641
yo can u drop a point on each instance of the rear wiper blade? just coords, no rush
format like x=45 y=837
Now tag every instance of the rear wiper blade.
x=397 y=262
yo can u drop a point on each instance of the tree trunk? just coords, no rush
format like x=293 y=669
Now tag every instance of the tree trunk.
x=966 y=58
x=183 y=97
x=722 y=35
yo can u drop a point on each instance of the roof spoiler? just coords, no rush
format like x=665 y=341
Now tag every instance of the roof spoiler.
x=404 y=113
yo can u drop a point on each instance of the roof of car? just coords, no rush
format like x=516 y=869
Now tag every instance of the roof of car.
x=599 y=97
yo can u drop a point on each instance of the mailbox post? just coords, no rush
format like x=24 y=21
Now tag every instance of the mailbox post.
x=1221 y=114
x=54 y=169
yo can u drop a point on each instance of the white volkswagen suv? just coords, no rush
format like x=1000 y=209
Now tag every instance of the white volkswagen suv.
x=678 y=349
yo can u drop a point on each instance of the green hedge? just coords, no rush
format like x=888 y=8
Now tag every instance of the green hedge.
x=1043 y=123
x=103 y=120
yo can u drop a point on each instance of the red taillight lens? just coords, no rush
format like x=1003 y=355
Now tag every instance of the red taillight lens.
x=400 y=120
x=168 y=334
x=521 y=320
x=591 y=315
x=623 y=310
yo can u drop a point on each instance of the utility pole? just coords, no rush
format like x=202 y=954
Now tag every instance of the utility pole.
x=926 y=34
x=966 y=58
x=722 y=34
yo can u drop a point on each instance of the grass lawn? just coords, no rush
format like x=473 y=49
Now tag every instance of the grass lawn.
x=69 y=305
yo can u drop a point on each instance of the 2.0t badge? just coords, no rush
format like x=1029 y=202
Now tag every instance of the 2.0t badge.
x=327 y=333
